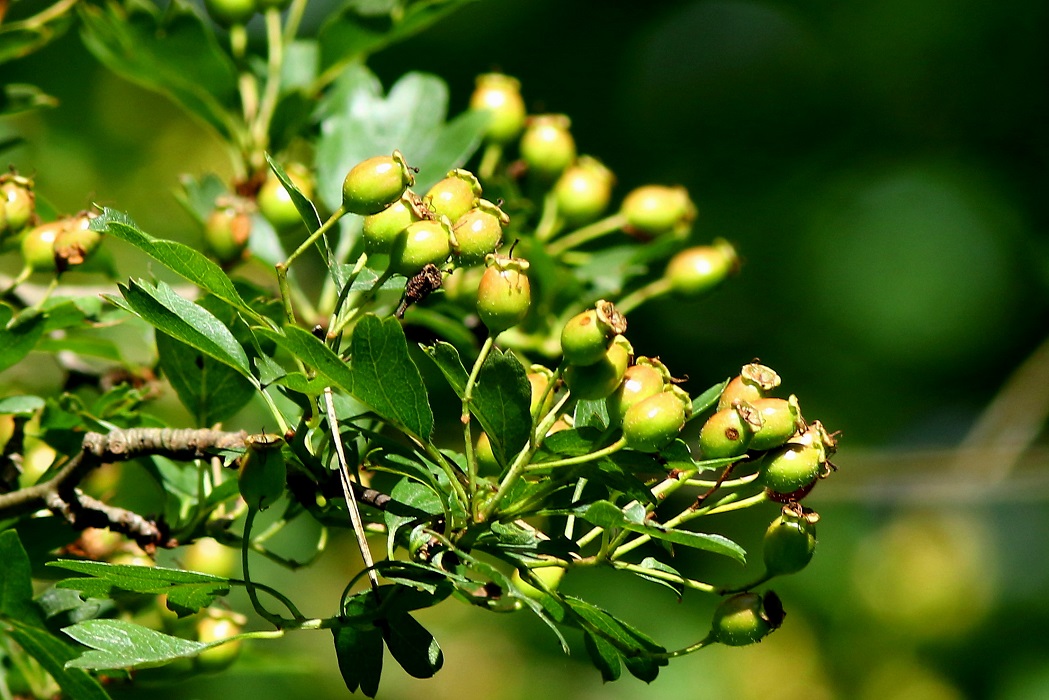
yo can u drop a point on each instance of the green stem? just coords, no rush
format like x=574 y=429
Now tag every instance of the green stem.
x=588 y=233
x=22 y=277
x=732 y=484
x=468 y=392
x=41 y=18
x=579 y=459
x=636 y=298
x=282 y=267
x=271 y=92
x=705 y=642
x=666 y=576
x=750 y=586
x=493 y=154
x=275 y=620
x=576 y=495
x=548 y=223
x=361 y=303
x=296 y=615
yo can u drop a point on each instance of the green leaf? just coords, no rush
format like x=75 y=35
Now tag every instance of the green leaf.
x=122 y=644
x=604 y=657
x=53 y=655
x=707 y=399
x=180 y=259
x=20 y=337
x=360 y=123
x=501 y=397
x=633 y=645
x=354 y=33
x=653 y=564
x=16 y=585
x=186 y=591
x=412 y=502
x=304 y=206
x=183 y=319
x=210 y=390
x=20 y=405
x=591 y=413
x=608 y=515
x=175 y=54
x=22 y=97
x=411 y=645
x=358 y=648
x=17 y=40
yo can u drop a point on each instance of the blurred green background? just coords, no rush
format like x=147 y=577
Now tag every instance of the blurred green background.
x=883 y=167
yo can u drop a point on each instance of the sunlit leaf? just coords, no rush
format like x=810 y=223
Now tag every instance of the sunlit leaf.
x=122 y=644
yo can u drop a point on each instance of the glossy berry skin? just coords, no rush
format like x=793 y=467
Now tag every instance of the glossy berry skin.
x=209 y=556
x=539 y=379
x=453 y=196
x=479 y=232
x=695 y=271
x=422 y=243
x=780 y=420
x=791 y=467
x=550 y=576
x=585 y=338
x=504 y=294
x=652 y=424
x=18 y=204
x=375 y=183
x=500 y=96
x=263 y=474
x=754 y=382
x=725 y=434
x=381 y=230
x=75 y=242
x=640 y=382
x=275 y=202
x=583 y=191
x=213 y=629
x=746 y=618
x=230 y=12
x=789 y=543
x=547 y=146
x=227 y=230
x=598 y=380
x=38 y=246
x=654 y=210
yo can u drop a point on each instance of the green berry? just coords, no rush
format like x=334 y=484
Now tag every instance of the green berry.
x=374 y=184
x=728 y=432
x=695 y=271
x=17 y=203
x=75 y=242
x=587 y=335
x=209 y=556
x=547 y=146
x=549 y=576
x=639 y=383
x=230 y=12
x=228 y=228
x=790 y=541
x=500 y=96
x=382 y=230
x=584 y=190
x=780 y=420
x=653 y=423
x=479 y=232
x=422 y=243
x=275 y=202
x=263 y=473
x=791 y=467
x=598 y=380
x=214 y=629
x=455 y=195
x=753 y=382
x=504 y=293
x=38 y=246
x=746 y=618
x=487 y=464
x=654 y=210
x=539 y=378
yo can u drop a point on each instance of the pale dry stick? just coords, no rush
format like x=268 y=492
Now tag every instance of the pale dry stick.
x=347 y=492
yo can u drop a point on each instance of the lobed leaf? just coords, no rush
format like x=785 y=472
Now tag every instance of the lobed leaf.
x=186 y=591
x=122 y=644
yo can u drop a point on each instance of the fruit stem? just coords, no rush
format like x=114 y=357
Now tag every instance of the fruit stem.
x=471 y=457
x=750 y=586
x=580 y=459
x=547 y=226
x=493 y=153
x=666 y=576
x=588 y=233
x=576 y=495
x=282 y=267
x=271 y=91
x=249 y=585
x=639 y=296
x=705 y=642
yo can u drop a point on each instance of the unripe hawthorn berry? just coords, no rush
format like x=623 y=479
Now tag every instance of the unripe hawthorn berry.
x=17 y=202
x=263 y=474
x=598 y=380
x=500 y=96
x=504 y=293
x=547 y=146
x=479 y=232
x=746 y=618
x=798 y=463
x=263 y=5
x=487 y=464
x=587 y=335
x=375 y=183
x=230 y=12
x=539 y=379
x=275 y=202
x=213 y=629
x=653 y=423
x=695 y=271
x=454 y=195
x=38 y=246
x=75 y=241
x=754 y=382
x=584 y=190
x=381 y=230
x=654 y=210
x=780 y=420
x=549 y=576
x=790 y=541
x=643 y=379
x=228 y=229
x=422 y=243
x=209 y=556
x=728 y=432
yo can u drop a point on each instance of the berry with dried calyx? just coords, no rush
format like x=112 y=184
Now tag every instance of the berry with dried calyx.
x=479 y=232
x=500 y=96
x=790 y=540
x=504 y=294
x=780 y=421
x=453 y=196
x=599 y=379
x=800 y=462
x=753 y=382
x=375 y=183
x=587 y=335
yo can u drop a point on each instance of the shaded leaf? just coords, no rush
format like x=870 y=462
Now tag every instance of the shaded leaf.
x=411 y=645
x=358 y=648
x=210 y=390
x=20 y=405
x=186 y=591
x=53 y=655
x=22 y=97
x=653 y=564
x=122 y=644
x=707 y=399
x=632 y=645
x=411 y=502
x=20 y=337
x=16 y=585
x=604 y=657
